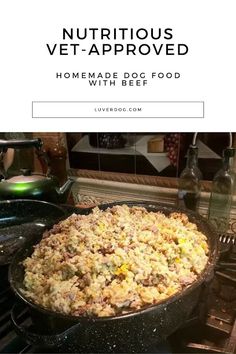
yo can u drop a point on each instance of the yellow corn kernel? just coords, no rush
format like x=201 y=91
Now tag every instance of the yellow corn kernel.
x=171 y=290
x=101 y=226
x=204 y=246
x=123 y=269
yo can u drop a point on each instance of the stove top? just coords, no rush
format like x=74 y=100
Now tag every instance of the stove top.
x=210 y=329
x=213 y=328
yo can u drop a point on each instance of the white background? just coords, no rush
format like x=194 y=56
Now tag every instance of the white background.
x=27 y=72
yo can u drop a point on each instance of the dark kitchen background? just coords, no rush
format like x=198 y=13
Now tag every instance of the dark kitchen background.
x=129 y=152
x=150 y=154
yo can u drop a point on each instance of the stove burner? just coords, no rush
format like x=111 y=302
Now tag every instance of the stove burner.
x=217 y=333
x=227 y=292
x=220 y=321
x=226 y=277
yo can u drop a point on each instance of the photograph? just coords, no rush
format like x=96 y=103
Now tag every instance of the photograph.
x=102 y=233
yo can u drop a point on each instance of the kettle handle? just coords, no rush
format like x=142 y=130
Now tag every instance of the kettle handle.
x=20 y=144
x=44 y=161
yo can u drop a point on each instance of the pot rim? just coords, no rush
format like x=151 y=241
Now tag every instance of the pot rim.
x=10 y=201
x=34 y=201
x=201 y=279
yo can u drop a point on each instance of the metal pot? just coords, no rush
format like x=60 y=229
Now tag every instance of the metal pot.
x=30 y=185
x=131 y=332
x=21 y=220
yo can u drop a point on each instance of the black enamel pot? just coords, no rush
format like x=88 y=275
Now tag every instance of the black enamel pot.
x=20 y=220
x=131 y=332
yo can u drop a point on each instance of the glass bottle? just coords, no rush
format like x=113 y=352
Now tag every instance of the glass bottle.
x=222 y=192
x=189 y=181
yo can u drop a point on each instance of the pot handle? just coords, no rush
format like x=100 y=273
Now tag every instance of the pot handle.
x=47 y=340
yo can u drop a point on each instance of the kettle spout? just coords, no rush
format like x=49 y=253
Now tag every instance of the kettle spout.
x=64 y=190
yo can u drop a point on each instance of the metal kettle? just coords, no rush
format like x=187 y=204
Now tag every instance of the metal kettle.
x=31 y=185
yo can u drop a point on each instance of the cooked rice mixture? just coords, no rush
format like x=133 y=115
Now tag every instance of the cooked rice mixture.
x=114 y=261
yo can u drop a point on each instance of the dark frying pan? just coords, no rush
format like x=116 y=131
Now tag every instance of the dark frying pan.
x=131 y=332
x=22 y=219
